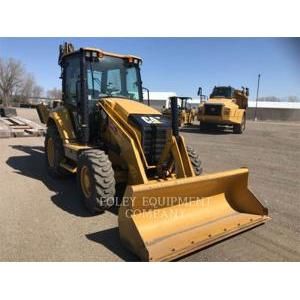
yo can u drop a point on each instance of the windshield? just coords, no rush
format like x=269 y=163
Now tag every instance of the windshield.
x=113 y=77
x=226 y=92
x=186 y=103
x=182 y=103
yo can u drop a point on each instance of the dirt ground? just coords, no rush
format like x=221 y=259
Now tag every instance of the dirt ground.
x=42 y=219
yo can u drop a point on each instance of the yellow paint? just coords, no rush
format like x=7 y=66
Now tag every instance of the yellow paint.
x=189 y=212
x=186 y=115
x=50 y=152
x=165 y=220
x=69 y=168
x=102 y=53
x=231 y=113
x=62 y=119
x=126 y=107
x=86 y=182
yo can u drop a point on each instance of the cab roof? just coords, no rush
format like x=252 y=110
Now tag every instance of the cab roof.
x=104 y=53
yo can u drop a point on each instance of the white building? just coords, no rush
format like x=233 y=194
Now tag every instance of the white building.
x=267 y=104
x=158 y=99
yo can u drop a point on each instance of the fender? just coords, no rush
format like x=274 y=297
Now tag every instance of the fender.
x=239 y=114
x=61 y=118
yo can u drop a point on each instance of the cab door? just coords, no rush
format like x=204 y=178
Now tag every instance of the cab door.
x=71 y=89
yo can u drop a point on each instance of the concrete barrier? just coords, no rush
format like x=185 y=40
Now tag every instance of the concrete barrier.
x=5 y=131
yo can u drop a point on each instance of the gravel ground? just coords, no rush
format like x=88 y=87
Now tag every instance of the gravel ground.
x=42 y=219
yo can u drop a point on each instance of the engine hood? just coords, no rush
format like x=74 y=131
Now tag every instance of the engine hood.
x=126 y=107
x=150 y=126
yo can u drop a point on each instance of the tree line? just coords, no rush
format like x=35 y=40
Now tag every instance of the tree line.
x=18 y=86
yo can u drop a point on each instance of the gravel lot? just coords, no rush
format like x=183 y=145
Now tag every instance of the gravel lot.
x=42 y=219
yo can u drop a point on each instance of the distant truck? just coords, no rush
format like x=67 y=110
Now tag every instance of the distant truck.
x=225 y=106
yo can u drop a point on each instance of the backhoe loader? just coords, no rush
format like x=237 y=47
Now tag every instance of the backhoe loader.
x=186 y=113
x=105 y=134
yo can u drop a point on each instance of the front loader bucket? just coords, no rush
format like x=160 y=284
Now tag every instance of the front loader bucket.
x=164 y=220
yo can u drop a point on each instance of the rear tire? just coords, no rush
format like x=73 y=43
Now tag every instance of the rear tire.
x=239 y=128
x=195 y=160
x=95 y=179
x=54 y=151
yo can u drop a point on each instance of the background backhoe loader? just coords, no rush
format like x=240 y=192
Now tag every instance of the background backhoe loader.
x=186 y=112
x=105 y=134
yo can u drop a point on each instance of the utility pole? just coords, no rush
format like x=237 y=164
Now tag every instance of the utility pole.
x=255 y=112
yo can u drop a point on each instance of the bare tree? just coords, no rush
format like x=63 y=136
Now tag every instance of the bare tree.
x=293 y=99
x=54 y=93
x=11 y=75
x=26 y=89
x=37 y=91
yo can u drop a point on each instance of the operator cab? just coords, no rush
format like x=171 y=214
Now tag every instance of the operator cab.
x=183 y=103
x=112 y=77
x=106 y=75
x=88 y=75
x=222 y=92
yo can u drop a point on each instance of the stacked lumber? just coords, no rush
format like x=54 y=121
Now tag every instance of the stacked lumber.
x=19 y=127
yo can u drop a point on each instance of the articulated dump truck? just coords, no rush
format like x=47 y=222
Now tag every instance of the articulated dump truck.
x=106 y=135
x=226 y=106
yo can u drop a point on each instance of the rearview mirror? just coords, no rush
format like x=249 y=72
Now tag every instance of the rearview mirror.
x=148 y=95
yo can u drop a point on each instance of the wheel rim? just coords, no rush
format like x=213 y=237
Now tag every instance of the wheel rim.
x=50 y=152
x=86 y=182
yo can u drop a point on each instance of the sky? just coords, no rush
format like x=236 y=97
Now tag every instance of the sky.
x=179 y=65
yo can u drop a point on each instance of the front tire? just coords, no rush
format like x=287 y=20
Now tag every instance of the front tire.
x=95 y=178
x=240 y=128
x=195 y=160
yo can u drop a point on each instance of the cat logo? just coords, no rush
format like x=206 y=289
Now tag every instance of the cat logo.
x=151 y=120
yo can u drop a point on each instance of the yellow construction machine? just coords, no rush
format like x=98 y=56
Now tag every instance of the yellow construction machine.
x=186 y=112
x=105 y=134
x=225 y=106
